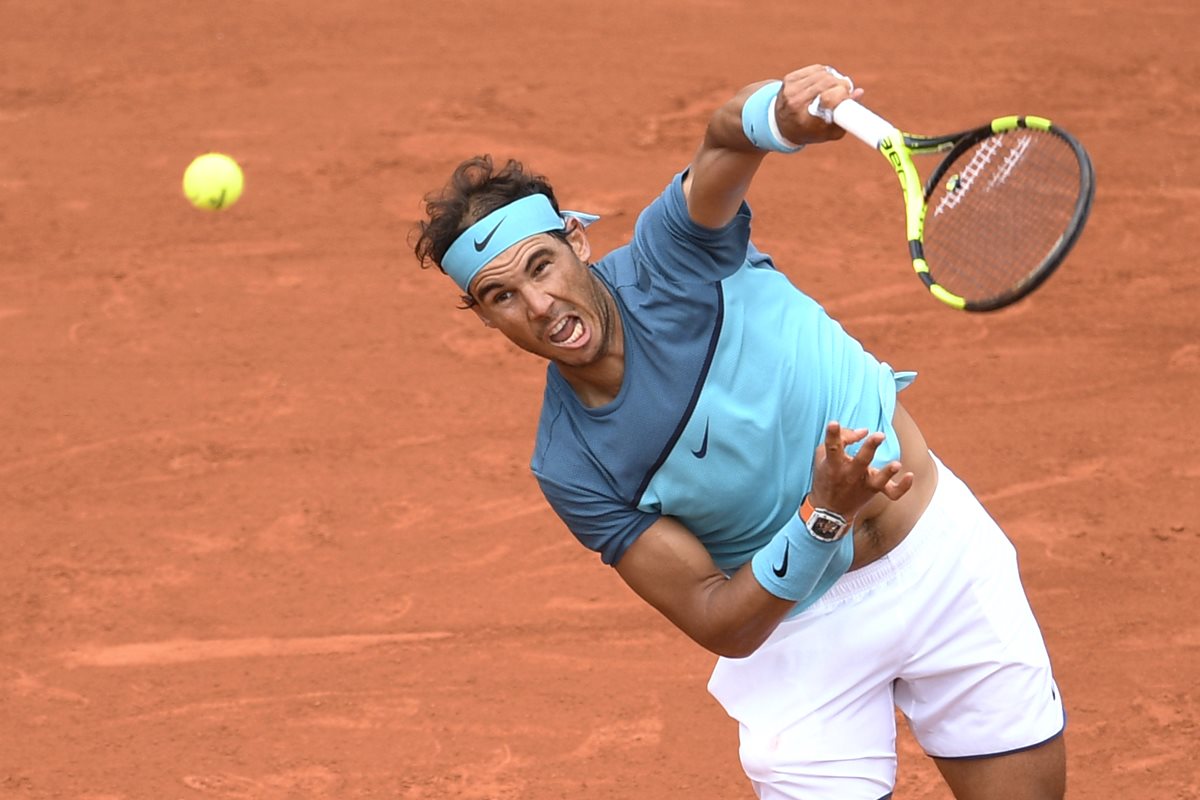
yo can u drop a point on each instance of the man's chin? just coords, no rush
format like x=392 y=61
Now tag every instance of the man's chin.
x=575 y=357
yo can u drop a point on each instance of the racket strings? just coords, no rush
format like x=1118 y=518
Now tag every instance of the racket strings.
x=1000 y=212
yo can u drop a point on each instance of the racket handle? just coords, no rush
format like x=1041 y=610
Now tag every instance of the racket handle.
x=855 y=119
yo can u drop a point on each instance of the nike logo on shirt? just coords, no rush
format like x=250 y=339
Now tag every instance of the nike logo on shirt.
x=703 y=451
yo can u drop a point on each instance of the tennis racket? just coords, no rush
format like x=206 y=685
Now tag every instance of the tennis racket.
x=998 y=214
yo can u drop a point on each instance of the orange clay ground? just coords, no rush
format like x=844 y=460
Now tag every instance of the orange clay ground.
x=268 y=529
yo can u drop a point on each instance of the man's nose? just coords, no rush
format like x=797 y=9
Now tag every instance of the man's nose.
x=538 y=301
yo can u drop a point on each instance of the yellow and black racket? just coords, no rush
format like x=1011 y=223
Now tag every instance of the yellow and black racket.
x=998 y=214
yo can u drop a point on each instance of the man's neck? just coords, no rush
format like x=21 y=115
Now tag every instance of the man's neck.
x=599 y=383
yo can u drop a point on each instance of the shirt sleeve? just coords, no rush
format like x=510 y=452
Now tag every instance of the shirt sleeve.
x=668 y=242
x=599 y=522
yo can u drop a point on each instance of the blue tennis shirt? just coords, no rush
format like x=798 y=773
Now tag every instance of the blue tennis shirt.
x=731 y=374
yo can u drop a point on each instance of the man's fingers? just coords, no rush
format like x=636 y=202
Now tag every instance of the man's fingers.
x=866 y=453
x=878 y=479
x=838 y=438
x=833 y=439
x=850 y=436
x=819 y=83
x=889 y=481
x=895 y=489
x=823 y=88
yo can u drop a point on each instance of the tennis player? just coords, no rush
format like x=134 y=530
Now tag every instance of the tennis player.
x=748 y=469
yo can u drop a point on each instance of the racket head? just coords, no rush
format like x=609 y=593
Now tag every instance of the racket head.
x=1001 y=211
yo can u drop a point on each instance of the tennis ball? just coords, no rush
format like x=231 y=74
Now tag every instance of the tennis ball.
x=213 y=181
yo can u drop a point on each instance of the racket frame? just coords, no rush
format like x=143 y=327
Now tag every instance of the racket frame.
x=898 y=147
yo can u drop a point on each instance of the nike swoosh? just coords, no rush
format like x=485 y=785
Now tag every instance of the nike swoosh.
x=482 y=243
x=781 y=570
x=703 y=451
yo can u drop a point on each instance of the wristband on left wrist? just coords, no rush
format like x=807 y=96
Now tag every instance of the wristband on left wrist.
x=793 y=564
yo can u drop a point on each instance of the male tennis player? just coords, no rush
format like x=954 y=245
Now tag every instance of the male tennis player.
x=689 y=386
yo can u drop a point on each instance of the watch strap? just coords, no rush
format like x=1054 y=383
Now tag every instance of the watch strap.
x=806 y=509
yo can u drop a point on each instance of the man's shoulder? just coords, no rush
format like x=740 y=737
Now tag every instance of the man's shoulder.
x=560 y=444
x=617 y=267
x=606 y=453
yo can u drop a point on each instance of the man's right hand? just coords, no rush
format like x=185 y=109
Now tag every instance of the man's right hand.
x=800 y=88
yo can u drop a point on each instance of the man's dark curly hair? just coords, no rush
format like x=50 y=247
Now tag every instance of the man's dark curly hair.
x=475 y=190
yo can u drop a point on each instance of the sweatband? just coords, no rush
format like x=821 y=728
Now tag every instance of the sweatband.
x=493 y=234
x=793 y=562
x=759 y=123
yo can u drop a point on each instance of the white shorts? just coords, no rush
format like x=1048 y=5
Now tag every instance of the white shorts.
x=939 y=628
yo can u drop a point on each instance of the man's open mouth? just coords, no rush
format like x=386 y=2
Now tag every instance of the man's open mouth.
x=567 y=332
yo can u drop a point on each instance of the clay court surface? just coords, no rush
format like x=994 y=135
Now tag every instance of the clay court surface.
x=268 y=529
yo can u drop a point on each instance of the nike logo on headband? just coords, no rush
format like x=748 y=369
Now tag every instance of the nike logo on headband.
x=480 y=244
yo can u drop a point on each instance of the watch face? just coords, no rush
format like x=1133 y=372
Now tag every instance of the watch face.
x=824 y=527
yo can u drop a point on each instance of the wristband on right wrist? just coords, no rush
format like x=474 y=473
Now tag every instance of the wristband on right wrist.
x=760 y=124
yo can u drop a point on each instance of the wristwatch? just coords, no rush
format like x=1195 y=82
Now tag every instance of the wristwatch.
x=823 y=525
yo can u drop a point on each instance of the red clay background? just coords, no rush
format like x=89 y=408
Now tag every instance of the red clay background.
x=267 y=525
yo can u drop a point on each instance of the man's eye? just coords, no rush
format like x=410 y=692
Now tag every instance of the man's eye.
x=540 y=268
x=501 y=297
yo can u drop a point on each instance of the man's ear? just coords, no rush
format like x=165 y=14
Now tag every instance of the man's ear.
x=577 y=238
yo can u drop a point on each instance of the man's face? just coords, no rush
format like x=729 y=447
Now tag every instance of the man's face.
x=541 y=294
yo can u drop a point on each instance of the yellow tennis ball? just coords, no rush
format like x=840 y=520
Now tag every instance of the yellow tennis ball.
x=213 y=181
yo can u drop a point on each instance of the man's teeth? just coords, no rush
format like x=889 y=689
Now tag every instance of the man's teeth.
x=575 y=334
x=576 y=331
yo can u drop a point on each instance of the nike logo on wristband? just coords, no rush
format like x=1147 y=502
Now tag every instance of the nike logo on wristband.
x=781 y=570
x=482 y=243
x=703 y=451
